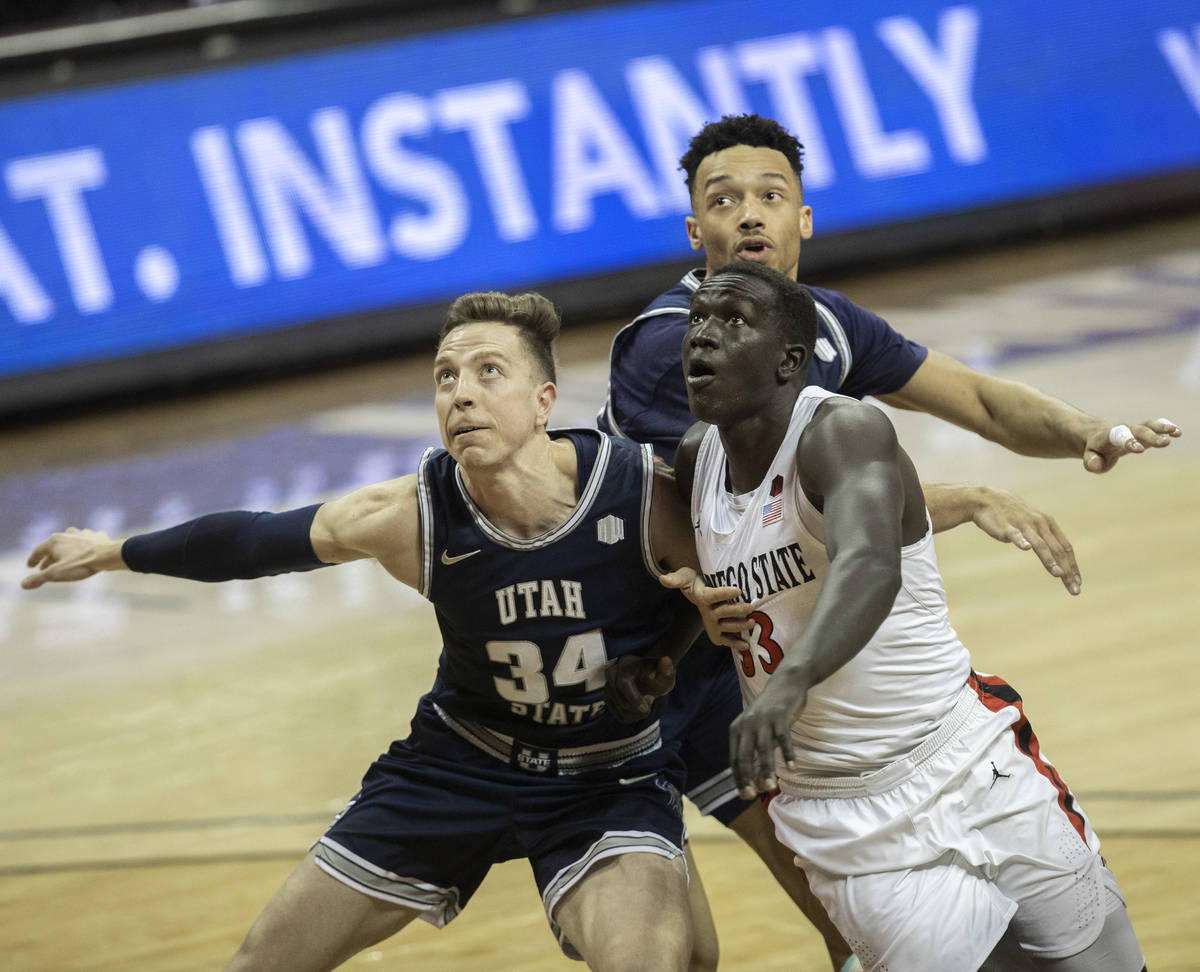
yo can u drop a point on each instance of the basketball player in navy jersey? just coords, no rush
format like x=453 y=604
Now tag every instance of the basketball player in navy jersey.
x=744 y=178
x=805 y=500
x=541 y=553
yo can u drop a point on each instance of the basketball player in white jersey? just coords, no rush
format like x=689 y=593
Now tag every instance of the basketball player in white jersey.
x=912 y=788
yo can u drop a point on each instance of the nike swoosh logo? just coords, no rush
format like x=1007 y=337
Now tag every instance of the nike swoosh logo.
x=448 y=560
x=636 y=779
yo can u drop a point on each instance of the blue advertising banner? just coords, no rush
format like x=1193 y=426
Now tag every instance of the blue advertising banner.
x=175 y=211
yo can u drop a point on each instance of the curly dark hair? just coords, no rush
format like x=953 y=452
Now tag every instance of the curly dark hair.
x=531 y=314
x=752 y=130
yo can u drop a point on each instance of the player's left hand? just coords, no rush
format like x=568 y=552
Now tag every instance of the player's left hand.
x=1009 y=519
x=722 y=609
x=632 y=683
x=766 y=724
x=1105 y=446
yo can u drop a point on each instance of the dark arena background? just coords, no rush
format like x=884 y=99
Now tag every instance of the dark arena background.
x=228 y=233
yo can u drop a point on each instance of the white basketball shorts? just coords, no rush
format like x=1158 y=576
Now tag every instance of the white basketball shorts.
x=923 y=864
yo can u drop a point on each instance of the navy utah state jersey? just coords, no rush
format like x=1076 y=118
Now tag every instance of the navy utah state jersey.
x=527 y=625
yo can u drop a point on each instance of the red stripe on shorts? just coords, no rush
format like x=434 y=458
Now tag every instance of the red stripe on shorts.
x=997 y=694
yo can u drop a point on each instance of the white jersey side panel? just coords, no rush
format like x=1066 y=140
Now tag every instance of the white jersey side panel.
x=893 y=694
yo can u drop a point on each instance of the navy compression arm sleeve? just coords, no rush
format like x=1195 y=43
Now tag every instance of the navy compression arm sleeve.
x=227 y=546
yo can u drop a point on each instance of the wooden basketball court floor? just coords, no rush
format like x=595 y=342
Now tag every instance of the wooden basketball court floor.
x=168 y=750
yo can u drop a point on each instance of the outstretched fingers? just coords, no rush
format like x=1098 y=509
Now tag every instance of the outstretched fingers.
x=42 y=559
x=70 y=555
x=1156 y=433
x=1010 y=519
x=1103 y=449
x=1046 y=539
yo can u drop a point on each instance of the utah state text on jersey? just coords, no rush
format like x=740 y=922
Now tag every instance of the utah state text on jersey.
x=540 y=599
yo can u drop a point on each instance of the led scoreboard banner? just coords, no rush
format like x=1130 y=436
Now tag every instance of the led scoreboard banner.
x=172 y=212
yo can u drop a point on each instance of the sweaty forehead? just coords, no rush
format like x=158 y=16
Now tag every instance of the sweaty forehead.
x=733 y=287
x=481 y=336
x=739 y=162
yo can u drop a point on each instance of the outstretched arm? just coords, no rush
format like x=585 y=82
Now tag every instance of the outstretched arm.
x=1007 y=518
x=849 y=461
x=216 y=547
x=1022 y=418
x=377 y=521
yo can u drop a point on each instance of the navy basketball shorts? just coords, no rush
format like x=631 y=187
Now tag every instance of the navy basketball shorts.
x=435 y=813
x=695 y=720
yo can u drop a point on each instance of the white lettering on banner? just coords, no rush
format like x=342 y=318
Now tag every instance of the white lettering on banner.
x=592 y=156
x=782 y=63
x=273 y=195
x=1184 y=58
x=60 y=179
x=877 y=154
x=670 y=114
x=432 y=182
x=484 y=112
x=27 y=301
x=283 y=180
x=719 y=74
x=227 y=199
x=945 y=73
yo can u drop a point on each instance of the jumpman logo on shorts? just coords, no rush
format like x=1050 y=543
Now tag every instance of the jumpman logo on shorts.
x=997 y=775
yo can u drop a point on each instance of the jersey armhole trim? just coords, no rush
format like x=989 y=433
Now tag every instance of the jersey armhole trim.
x=838 y=334
x=425 y=508
x=647 y=452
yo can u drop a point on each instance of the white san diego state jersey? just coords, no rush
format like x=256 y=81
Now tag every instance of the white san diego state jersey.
x=888 y=698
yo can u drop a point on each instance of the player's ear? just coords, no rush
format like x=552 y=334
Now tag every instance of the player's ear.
x=793 y=363
x=693 y=232
x=547 y=395
x=806 y=223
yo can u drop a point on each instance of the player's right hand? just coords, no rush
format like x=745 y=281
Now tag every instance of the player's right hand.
x=72 y=555
x=764 y=726
x=722 y=609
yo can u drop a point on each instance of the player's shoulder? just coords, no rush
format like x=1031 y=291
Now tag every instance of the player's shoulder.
x=602 y=449
x=667 y=312
x=649 y=344
x=621 y=451
x=677 y=298
x=843 y=420
x=368 y=519
x=381 y=499
x=687 y=454
x=836 y=303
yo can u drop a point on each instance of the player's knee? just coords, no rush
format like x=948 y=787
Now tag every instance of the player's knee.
x=668 y=949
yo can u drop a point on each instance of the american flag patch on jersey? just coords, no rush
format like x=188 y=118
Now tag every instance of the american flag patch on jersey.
x=773 y=511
